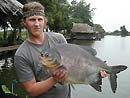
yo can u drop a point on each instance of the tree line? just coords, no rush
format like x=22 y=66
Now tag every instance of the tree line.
x=60 y=14
x=122 y=32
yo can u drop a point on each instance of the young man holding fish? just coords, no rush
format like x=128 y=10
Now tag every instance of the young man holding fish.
x=36 y=79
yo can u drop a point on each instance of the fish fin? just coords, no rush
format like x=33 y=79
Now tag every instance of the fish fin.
x=113 y=76
x=90 y=50
x=72 y=86
x=118 y=69
x=60 y=67
x=61 y=82
x=113 y=82
x=97 y=85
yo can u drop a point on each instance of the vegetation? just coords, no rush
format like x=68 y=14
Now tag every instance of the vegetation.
x=8 y=77
x=81 y=12
x=122 y=32
x=98 y=28
x=60 y=15
x=10 y=40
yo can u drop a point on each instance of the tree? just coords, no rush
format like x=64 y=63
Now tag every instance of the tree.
x=99 y=28
x=124 y=32
x=57 y=13
x=116 y=32
x=3 y=24
x=81 y=12
x=61 y=14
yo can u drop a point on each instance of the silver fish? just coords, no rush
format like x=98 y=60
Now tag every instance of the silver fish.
x=81 y=65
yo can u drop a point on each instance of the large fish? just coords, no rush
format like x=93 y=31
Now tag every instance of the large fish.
x=81 y=65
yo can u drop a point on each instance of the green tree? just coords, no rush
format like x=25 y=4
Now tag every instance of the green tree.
x=3 y=24
x=124 y=32
x=116 y=32
x=57 y=13
x=61 y=14
x=81 y=12
x=99 y=28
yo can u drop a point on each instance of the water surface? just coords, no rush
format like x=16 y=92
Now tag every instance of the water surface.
x=115 y=50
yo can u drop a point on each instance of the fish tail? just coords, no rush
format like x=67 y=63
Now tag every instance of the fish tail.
x=113 y=75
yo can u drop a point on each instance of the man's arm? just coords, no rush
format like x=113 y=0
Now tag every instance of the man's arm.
x=35 y=88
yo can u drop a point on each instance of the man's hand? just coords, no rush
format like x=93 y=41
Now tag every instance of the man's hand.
x=103 y=74
x=60 y=75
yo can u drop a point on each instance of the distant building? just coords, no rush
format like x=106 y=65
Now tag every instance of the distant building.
x=83 y=31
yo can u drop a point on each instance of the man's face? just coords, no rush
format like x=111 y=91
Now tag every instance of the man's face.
x=35 y=25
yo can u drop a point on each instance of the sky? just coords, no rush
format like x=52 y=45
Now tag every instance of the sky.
x=111 y=14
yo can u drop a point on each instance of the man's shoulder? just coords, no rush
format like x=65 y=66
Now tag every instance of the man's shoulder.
x=54 y=34
x=22 y=48
x=56 y=37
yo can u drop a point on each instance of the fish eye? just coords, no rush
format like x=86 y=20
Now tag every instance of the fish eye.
x=41 y=54
x=46 y=55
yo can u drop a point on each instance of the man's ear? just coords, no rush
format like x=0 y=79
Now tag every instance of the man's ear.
x=23 y=22
x=46 y=20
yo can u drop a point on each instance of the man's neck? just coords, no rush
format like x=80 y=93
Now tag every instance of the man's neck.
x=37 y=40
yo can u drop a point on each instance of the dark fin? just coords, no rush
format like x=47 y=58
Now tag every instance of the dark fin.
x=118 y=69
x=104 y=61
x=72 y=86
x=61 y=67
x=92 y=51
x=113 y=82
x=61 y=82
x=97 y=85
x=113 y=76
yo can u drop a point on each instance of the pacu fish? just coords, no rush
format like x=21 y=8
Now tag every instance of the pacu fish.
x=81 y=65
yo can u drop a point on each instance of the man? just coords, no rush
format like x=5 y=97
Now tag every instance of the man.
x=36 y=79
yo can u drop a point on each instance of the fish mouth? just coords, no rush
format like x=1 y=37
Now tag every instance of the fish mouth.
x=46 y=58
x=48 y=62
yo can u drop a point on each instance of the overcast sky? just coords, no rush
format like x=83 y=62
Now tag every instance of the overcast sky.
x=111 y=14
